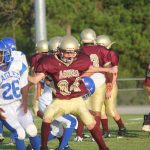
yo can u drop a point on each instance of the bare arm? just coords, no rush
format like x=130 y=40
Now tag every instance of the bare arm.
x=35 y=79
x=93 y=70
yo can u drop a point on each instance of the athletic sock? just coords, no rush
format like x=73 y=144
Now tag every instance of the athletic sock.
x=66 y=137
x=97 y=135
x=120 y=123
x=35 y=142
x=45 y=130
x=97 y=119
x=20 y=144
x=104 y=125
x=80 y=128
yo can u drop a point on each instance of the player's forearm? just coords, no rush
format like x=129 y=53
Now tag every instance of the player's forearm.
x=109 y=70
x=37 y=78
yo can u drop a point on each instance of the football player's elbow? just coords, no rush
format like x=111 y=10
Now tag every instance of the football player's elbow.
x=33 y=80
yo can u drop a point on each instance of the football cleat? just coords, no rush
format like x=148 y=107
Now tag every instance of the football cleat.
x=106 y=135
x=92 y=139
x=86 y=136
x=65 y=148
x=122 y=132
x=78 y=139
x=146 y=124
x=1 y=137
x=29 y=147
x=43 y=148
x=12 y=141
x=145 y=118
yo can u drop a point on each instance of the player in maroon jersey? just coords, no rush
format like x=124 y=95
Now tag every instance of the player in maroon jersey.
x=65 y=69
x=146 y=124
x=109 y=107
x=99 y=58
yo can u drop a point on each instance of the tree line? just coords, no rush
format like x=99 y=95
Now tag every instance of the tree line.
x=125 y=21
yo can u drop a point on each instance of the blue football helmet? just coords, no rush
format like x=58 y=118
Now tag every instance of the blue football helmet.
x=90 y=85
x=5 y=54
x=10 y=42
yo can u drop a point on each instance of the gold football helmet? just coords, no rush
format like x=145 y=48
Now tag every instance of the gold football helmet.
x=54 y=42
x=88 y=36
x=69 y=46
x=104 y=40
x=42 y=46
x=69 y=43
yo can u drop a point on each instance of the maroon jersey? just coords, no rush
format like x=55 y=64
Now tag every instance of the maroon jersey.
x=147 y=82
x=33 y=60
x=98 y=54
x=114 y=58
x=147 y=77
x=65 y=77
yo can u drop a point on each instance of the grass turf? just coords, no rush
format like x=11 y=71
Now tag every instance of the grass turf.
x=135 y=138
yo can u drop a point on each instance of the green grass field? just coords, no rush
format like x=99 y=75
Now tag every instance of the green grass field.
x=134 y=140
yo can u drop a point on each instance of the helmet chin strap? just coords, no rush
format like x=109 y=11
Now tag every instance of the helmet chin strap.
x=66 y=60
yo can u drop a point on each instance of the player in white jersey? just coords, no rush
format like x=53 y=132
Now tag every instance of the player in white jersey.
x=17 y=55
x=13 y=99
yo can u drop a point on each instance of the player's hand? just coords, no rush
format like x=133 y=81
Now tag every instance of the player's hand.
x=109 y=87
x=113 y=69
x=1 y=114
x=24 y=107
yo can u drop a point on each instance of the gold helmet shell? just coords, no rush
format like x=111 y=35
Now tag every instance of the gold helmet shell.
x=42 y=46
x=69 y=43
x=54 y=43
x=104 y=40
x=88 y=36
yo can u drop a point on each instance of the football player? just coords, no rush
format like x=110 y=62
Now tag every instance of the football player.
x=99 y=58
x=13 y=101
x=146 y=124
x=109 y=107
x=65 y=69
x=69 y=121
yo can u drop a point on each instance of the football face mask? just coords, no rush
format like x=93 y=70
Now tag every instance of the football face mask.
x=5 y=54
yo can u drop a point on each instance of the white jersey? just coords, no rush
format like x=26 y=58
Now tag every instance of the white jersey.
x=19 y=56
x=12 y=80
x=99 y=79
x=46 y=97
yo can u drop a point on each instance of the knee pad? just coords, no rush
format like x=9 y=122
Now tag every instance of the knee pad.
x=31 y=130
x=20 y=134
x=57 y=129
x=71 y=122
